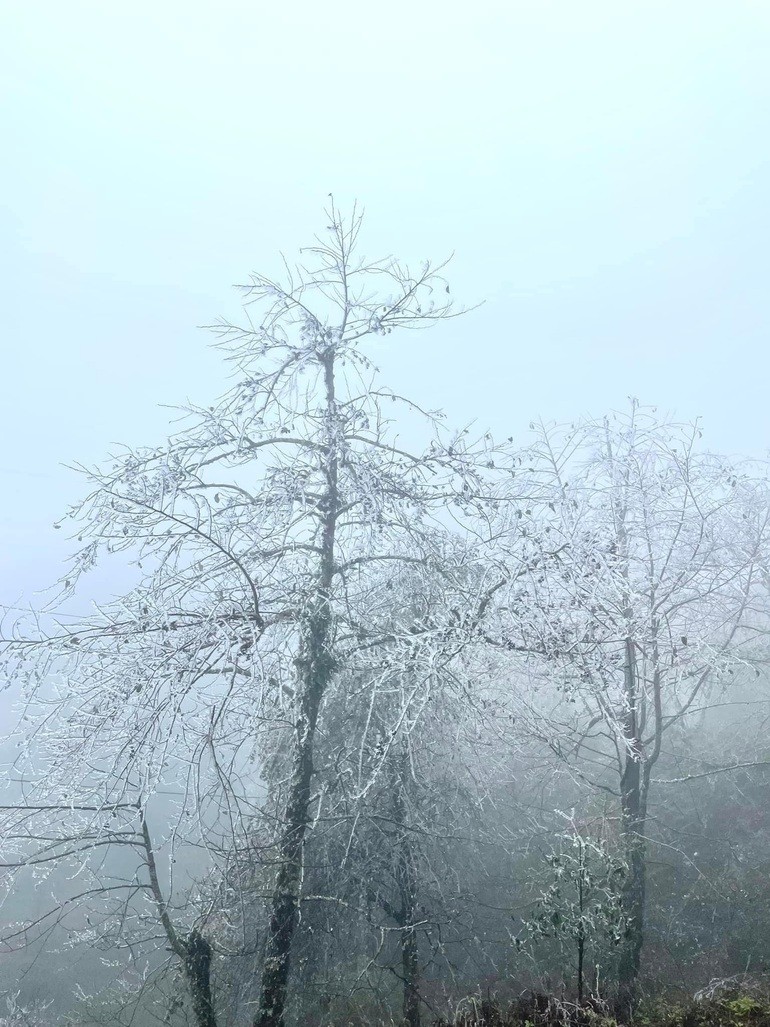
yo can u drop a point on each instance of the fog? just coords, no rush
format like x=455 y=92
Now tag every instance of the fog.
x=401 y=673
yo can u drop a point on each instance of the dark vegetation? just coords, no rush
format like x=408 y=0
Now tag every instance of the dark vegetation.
x=731 y=1008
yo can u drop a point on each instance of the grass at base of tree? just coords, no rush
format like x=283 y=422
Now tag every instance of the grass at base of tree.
x=728 y=1009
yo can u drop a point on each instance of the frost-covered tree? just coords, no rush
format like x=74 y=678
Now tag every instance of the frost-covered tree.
x=581 y=907
x=401 y=808
x=16 y=1014
x=643 y=593
x=396 y=801
x=265 y=536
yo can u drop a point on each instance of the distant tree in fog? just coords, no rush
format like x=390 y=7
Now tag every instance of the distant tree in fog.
x=646 y=591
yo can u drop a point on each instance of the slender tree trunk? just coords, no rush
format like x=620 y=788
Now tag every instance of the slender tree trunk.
x=633 y=897
x=314 y=670
x=633 y=801
x=410 y=968
x=285 y=902
x=194 y=952
x=410 y=963
x=406 y=877
x=197 y=965
x=581 y=936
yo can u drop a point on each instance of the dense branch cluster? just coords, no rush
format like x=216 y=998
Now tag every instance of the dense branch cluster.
x=309 y=763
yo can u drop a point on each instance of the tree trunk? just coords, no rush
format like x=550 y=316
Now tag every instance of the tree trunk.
x=633 y=809
x=581 y=934
x=285 y=904
x=195 y=952
x=197 y=965
x=406 y=878
x=633 y=804
x=410 y=965
x=315 y=666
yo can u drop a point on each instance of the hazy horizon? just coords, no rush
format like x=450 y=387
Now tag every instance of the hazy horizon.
x=600 y=174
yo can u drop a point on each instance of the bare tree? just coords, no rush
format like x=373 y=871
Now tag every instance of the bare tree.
x=391 y=793
x=643 y=592
x=263 y=535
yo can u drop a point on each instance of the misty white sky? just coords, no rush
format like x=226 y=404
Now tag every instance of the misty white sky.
x=600 y=169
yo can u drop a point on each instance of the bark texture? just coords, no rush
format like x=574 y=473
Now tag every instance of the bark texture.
x=197 y=965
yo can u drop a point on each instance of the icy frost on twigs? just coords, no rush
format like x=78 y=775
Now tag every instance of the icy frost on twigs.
x=267 y=533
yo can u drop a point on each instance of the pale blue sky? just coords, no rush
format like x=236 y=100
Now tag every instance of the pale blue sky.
x=600 y=168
